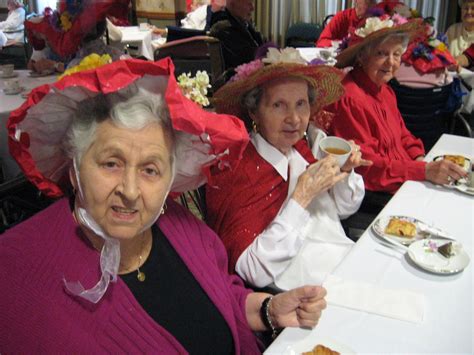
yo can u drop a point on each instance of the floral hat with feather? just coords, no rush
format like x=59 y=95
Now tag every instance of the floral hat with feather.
x=278 y=63
x=374 y=28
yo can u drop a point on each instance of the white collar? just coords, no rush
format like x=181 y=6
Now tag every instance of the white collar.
x=276 y=158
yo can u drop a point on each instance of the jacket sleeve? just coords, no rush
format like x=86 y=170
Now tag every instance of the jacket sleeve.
x=14 y=21
x=353 y=121
x=335 y=30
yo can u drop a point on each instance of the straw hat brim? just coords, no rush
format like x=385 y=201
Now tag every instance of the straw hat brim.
x=348 y=56
x=326 y=81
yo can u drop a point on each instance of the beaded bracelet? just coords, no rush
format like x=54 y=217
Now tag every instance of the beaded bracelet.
x=265 y=315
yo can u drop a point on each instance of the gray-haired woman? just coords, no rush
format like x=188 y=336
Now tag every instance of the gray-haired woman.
x=368 y=113
x=163 y=285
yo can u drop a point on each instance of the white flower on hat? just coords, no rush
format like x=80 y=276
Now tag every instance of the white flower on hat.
x=285 y=55
x=373 y=24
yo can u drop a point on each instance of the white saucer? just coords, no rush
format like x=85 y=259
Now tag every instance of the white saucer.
x=12 y=75
x=12 y=92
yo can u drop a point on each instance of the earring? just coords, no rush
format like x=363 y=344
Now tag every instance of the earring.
x=254 y=127
x=163 y=209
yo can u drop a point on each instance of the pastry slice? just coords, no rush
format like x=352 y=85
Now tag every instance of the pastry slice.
x=400 y=228
x=456 y=159
x=321 y=350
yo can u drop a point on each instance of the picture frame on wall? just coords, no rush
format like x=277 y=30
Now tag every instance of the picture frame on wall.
x=160 y=9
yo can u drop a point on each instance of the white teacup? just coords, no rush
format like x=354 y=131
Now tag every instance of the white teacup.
x=12 y=86
x=337 y=147
x=7 y=69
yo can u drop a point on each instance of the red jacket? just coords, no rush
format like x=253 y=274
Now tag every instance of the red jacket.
x=339 y=27
x=369 y=115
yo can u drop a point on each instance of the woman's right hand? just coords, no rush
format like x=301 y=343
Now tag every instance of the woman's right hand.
x=443 y=172
x=317 y=178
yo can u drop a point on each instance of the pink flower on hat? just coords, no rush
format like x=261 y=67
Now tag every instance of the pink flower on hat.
x=245 y=70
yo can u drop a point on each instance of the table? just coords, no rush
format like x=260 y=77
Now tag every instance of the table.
x=447 y=327
x=8 y=103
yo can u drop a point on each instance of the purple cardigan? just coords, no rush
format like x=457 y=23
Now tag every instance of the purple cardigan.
x=38 y=316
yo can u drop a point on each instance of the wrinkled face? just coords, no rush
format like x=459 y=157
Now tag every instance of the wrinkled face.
x=283 y=112
x=384 y=61
x=125 y=176
x=467 y=14
x=241 y=9
x=11 y=5
x=361 y=6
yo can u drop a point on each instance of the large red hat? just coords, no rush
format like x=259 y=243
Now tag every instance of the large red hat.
x=36 y=129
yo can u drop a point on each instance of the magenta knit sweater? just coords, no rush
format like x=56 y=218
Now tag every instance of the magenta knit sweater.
x=38 y=316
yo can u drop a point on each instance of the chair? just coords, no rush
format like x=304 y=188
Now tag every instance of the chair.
x=175 y=33
x=302 y=34
x=193 y=54
x=19 y=200
x=428 y=112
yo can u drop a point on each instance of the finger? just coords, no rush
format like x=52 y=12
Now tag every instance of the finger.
x=308 y=319
x=313 y=306
x=340 y=177
x=364 y=162
x=308 y=292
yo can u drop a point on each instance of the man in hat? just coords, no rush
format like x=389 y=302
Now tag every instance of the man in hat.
x=233 y=28
x=343 y=21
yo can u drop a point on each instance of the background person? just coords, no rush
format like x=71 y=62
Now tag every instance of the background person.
x=461 y=35
x=342 y=23
x=234 y=29
x=12 y=27
x=163 y=285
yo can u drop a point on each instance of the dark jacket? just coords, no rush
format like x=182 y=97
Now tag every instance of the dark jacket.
x=239 y=40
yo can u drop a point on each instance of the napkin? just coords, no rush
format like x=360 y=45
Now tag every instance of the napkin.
x=400 y=304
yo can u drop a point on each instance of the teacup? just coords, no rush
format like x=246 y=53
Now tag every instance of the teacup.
x=7 y=69
x=337 y=147
x=144 y=26
x=12 y=86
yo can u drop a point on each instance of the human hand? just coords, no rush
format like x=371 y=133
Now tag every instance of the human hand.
x=463 y=61
x=355 y=159
x=299 y=307
x=317 y=178
x=443 y=172
x=43 y=65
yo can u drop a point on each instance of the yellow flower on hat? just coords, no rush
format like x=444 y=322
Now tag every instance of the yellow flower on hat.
x=65 y=20
x=92 y=61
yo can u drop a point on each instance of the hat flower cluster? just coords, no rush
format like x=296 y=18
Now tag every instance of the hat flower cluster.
x=92 y=61
x=195 y=88
x=273 y=56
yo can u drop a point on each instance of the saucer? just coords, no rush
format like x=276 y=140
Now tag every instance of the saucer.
x=12 y=92
x=12 y=75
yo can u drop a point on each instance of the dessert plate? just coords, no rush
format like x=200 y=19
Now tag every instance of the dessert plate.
x=424 y=254
x=381 y=223
x=308 y=344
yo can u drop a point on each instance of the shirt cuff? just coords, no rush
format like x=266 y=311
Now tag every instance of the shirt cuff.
x=294 y=214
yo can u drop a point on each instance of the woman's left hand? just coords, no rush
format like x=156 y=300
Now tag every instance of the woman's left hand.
x=299 y=307
x=355 y=159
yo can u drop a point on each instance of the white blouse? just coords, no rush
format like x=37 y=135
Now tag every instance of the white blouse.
x=14 y=22
x=300 y=246
x=459 y=39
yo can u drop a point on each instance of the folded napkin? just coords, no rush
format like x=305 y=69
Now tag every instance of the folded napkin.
x=400 y=304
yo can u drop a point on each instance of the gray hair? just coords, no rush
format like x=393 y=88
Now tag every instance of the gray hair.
x=16 y=3
x=251 y=99
x=135 y=113
x=369 y=48
x=462 y=2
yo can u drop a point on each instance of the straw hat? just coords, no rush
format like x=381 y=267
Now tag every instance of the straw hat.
x=374 y=29
x=36 y=130
x=278 y=64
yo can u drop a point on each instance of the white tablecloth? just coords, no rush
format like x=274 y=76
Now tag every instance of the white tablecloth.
x=8 y=103
x=447 y=327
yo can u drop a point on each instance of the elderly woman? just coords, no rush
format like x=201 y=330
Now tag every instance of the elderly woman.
x=278 y=213
x=461 y=35
x=368 y=113
x=163 y=285
x=12 y=27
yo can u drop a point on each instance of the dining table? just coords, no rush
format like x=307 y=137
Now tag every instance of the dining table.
x=143 y=39
x=446 y=325
x=9 y=103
